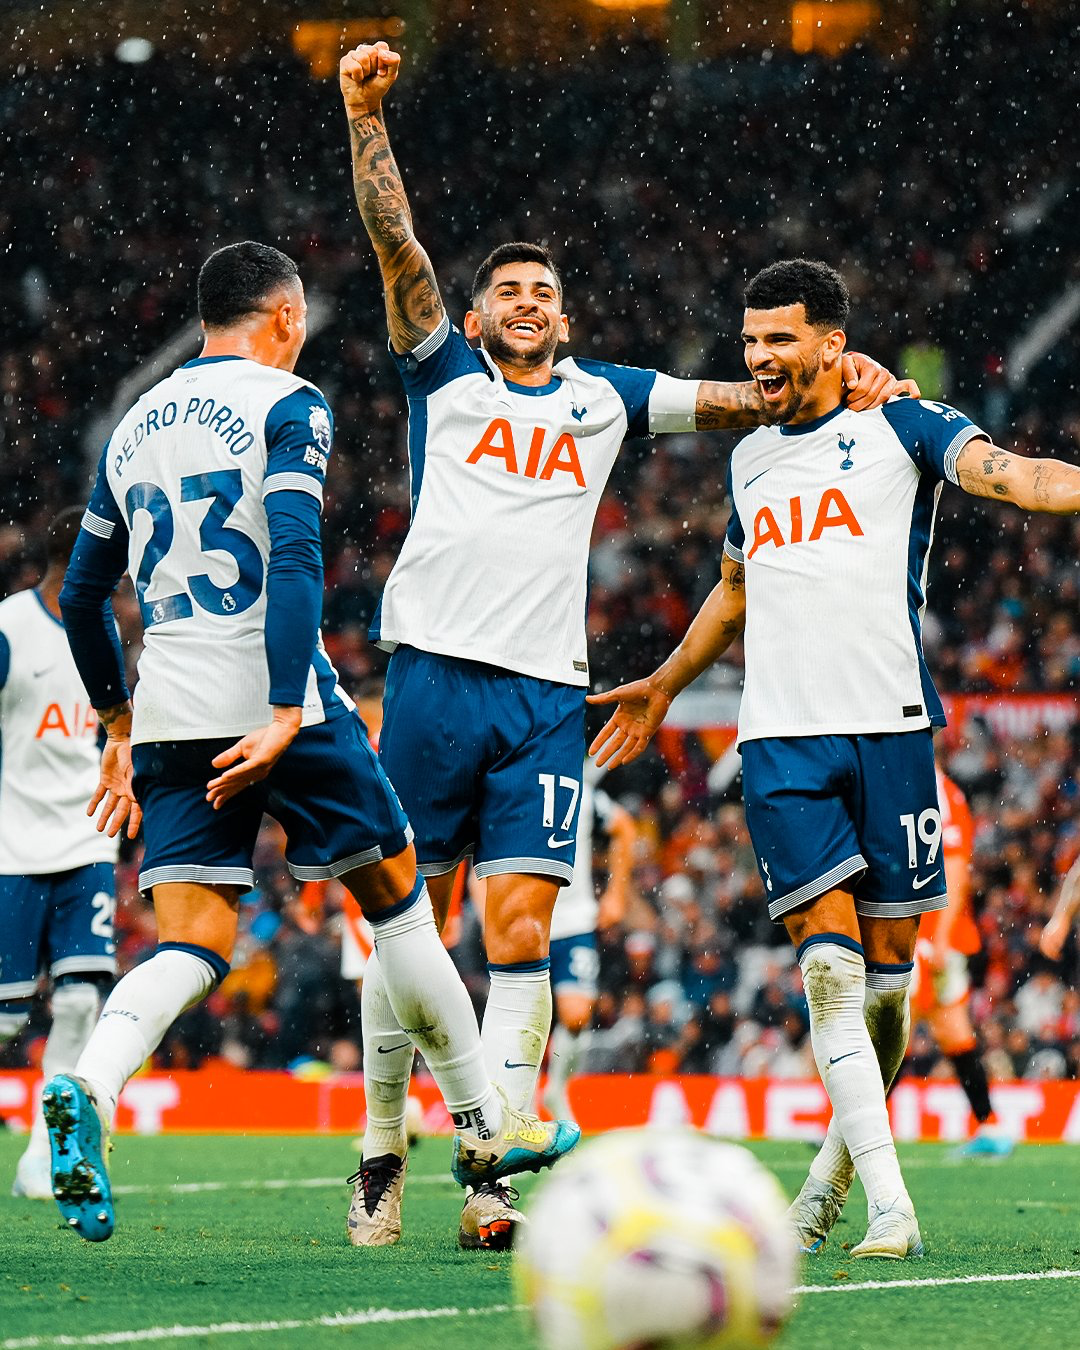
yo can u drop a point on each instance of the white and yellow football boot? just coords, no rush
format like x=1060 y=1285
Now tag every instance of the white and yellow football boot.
x=892 y=1234
x=814 y=1211
x=375 y=1211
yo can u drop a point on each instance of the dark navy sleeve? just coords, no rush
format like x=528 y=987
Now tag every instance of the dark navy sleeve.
x=5 y=659
x=299 y=437
x=632 y=384
x=735 y=538
x=933 y=434
x=294 y=593
x=444 y=355
x=99 y=560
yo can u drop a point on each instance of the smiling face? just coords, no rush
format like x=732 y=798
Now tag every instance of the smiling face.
x=519 y=316
x=796 y=364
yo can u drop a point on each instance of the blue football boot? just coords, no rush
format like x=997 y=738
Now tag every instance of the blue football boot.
x=79 y=1139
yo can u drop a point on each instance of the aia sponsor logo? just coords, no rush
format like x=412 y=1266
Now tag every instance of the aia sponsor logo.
x=833 y=513
x=538 y=460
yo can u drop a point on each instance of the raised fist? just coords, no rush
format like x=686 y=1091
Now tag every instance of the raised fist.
x=365 y=74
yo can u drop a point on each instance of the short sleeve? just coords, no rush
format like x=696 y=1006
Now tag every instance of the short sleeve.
x=633 y=385
x=933 y=434
x=735 y=537
x=299 y=439
x=673 y=405
x=444 y=355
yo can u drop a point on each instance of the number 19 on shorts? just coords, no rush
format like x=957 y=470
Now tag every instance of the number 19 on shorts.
x=925 y=829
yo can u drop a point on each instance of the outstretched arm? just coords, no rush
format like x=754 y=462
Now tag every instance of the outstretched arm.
x=643 y=705
x=984 y=470
x=414 y=307
x=1052 y=938
x=867 y=385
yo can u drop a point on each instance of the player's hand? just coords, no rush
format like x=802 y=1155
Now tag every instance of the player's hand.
x=253 y=756
x=868 y=384
x=1052 y=938
x=365 y=74
x=114 y=793
x=642 y=706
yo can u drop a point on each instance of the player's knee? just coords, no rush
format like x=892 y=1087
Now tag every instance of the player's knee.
x=574 y=1013
x=516 y=937
x=14 y=1015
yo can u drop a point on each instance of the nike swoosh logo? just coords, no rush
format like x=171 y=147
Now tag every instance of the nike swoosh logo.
x=756 y=477
x=840 y=1057
x=389 y=1049
x=558 y=843
x=525 y=1065
x=919 y=883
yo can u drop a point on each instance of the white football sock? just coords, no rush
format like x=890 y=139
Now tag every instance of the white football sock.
x=140 y=1010
x=834 y=977
x=517 y=1021
x=887 y=1013
x=74 y=1010
x=433 y=1007
x=567 y=1048
x=388 y=1060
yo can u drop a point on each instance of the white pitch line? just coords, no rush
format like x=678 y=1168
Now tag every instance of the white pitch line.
x=845 y=1287
x=260 y=1184
x=367 y=1317
x=373 y=1316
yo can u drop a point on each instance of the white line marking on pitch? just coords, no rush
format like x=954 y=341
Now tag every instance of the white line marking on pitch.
x=373 y=1316
x=261 y=1184
x=848 y=1288
x=367 y=1317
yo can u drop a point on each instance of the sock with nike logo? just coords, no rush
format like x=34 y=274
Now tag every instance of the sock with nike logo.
x=835 y=979
x=887 y=1014
x=517 y=1020
x=388 y=1060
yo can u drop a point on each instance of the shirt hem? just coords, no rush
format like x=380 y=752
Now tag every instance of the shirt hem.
x=579 y=679
x=836 y=729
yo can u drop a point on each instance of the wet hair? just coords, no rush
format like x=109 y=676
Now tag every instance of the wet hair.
x=512 y=253
x=815 y=285
x=236 y=280
x=61 y=535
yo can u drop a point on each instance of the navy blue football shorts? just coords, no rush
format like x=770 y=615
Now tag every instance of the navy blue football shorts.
x=487 y=763
x=827 y=810
x=327 y=791
x=61 y=922
x=575 y=965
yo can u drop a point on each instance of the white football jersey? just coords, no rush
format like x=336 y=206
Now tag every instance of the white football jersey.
x=833 y=521
x=506 y=479
x=577 y=905
x=185 y=474
x=50 y=761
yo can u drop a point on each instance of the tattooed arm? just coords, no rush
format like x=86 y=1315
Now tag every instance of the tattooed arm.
x=643 y=705
x=1034 y=484
x=866 y=385
x=414 y=307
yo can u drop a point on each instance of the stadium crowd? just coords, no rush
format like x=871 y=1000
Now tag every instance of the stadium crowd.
x=661 y=189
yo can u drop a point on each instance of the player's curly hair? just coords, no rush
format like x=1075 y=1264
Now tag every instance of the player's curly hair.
x=518 y=251
x=801 y=281
x=236 y=280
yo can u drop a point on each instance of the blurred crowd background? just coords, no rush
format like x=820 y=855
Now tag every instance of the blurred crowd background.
x=948 y=200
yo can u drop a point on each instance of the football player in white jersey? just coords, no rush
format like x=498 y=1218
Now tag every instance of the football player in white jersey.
x=578 y=912
x=509 y=453
x=209 y=493
x=824 y=576
x=57 y=882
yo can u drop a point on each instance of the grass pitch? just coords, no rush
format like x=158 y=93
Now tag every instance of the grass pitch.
x=240 y=1243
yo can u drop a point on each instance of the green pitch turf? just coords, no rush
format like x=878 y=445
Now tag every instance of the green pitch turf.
x=258 y=1241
